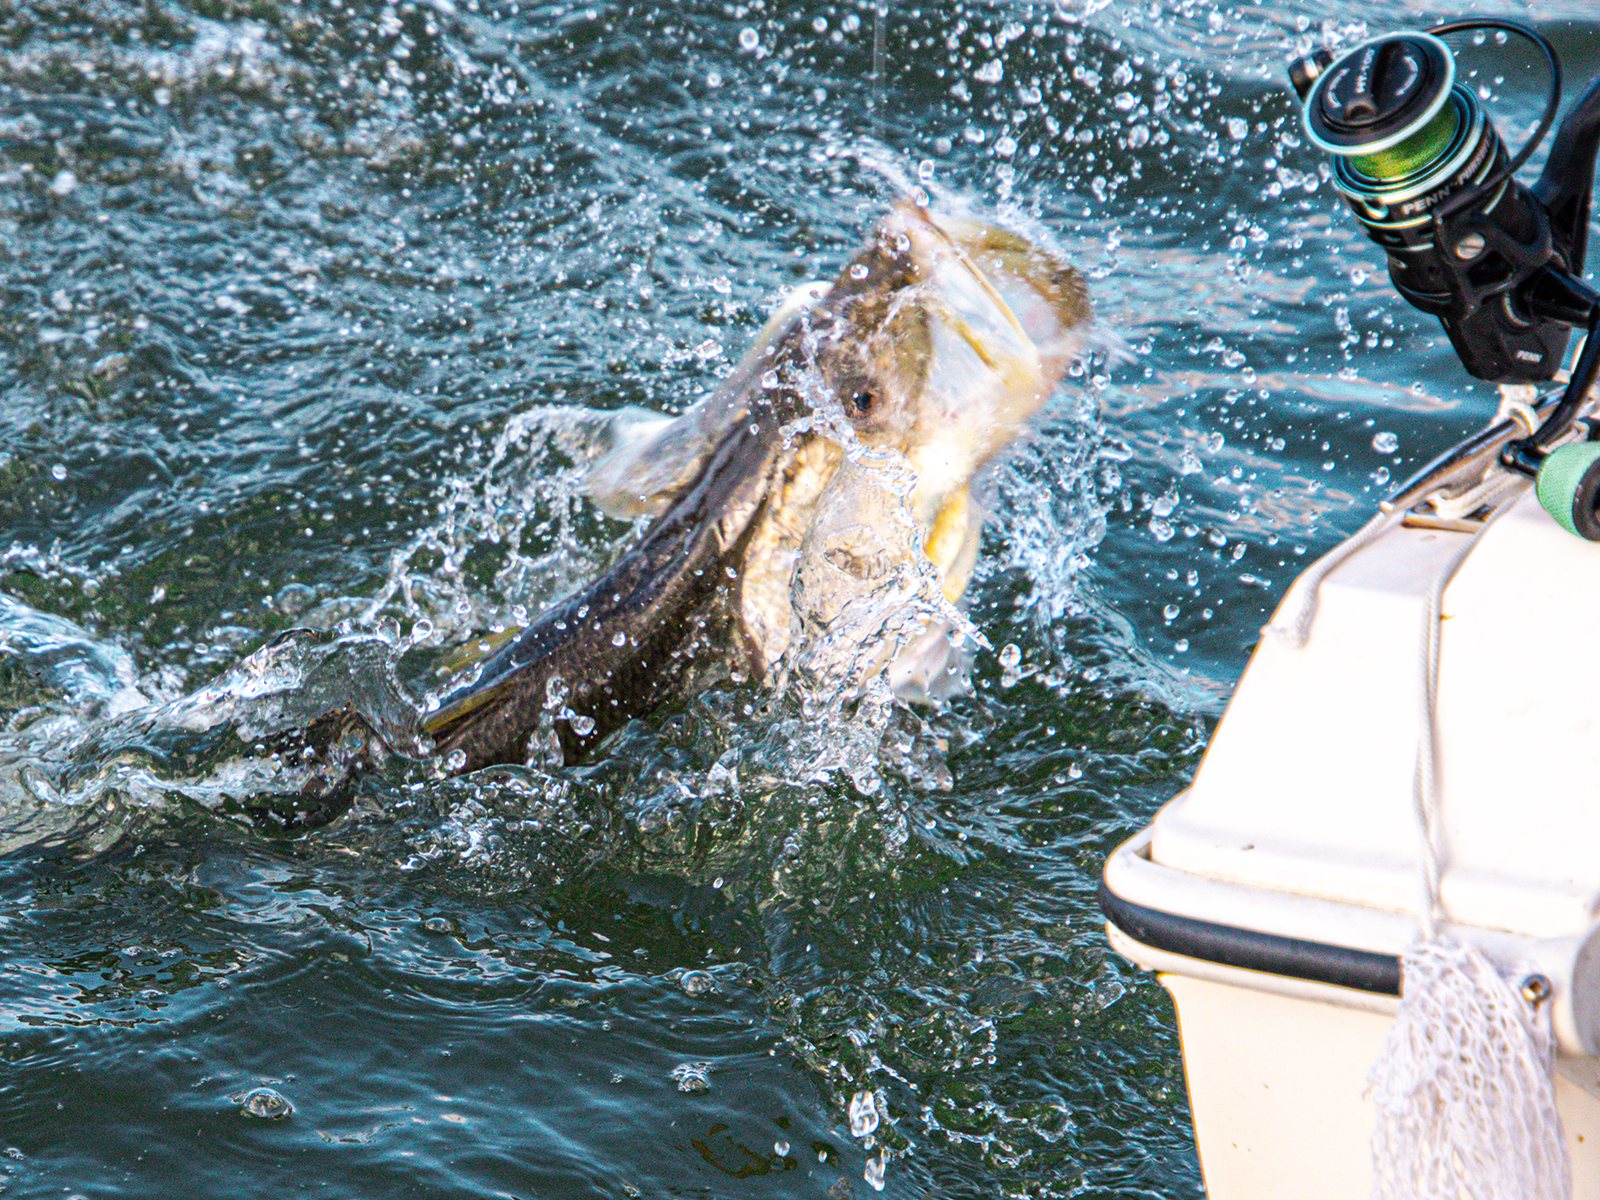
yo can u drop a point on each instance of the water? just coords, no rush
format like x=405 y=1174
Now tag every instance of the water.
x=301 y=309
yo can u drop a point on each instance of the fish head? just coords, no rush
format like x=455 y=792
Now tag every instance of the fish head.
x=940 y=340
x=931 y=352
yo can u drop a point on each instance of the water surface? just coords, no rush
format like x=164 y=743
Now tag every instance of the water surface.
x=298 y=305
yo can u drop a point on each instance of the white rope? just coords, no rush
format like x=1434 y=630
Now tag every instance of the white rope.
x=1495 y=486
x=1309 y=586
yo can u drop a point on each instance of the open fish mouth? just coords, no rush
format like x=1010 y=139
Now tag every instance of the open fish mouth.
x=816 y=510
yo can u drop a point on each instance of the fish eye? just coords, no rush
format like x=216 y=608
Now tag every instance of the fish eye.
x=861 y=405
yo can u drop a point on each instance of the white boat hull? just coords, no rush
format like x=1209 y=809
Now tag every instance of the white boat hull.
x=1277 y=1088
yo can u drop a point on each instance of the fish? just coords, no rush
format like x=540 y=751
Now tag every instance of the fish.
x=814 y=516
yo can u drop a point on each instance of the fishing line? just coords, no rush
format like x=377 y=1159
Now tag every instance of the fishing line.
x=875 y=99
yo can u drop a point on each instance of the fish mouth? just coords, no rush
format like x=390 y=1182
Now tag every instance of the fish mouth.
x=1019 y=308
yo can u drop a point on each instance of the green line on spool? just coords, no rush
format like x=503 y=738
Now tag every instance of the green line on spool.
x=1422 y=149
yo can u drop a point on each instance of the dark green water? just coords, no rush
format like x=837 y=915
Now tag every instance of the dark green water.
x=276 y=283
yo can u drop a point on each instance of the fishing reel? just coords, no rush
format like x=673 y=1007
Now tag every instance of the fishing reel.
x=1499 y=263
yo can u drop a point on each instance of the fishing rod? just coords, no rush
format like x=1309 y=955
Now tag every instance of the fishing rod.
x=1500 y=264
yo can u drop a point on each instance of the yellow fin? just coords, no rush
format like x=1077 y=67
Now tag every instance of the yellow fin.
x=458 y=662
x=946 y=540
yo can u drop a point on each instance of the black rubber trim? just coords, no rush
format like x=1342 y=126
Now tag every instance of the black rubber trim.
x=1230 y=946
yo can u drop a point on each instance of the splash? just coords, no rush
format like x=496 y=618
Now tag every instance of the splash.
x=507 y=539
x=279 y=738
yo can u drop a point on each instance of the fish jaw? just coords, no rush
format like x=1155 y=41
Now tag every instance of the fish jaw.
x=1006 y=320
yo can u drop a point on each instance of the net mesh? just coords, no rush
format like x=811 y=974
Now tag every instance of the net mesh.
x=1464 y=1087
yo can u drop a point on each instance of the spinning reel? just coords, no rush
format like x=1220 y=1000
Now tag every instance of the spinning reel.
x=1500 y=264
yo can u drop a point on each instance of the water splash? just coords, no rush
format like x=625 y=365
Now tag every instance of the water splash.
x=280 y=737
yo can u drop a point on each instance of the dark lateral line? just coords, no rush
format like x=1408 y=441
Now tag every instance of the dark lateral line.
x=1230 y=946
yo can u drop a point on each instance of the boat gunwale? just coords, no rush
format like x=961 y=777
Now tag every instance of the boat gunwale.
x=1251 y=949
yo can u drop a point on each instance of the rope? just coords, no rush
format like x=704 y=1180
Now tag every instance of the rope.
x=1464 y=1086
x=1425 y=785
x=1309 y=585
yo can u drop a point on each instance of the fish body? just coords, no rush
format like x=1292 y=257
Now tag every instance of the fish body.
x=815 y=510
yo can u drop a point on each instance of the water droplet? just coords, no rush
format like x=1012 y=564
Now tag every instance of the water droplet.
x=697 y=983
x=874 y=1173
x=693 y=1078
x=620 y=639
x=58 y=472
x=863 y=1114
x=1386 y=443
x=263 y=1102
x=1108 y=991
x=749 y=39
x=437 y=925
x=64 y=182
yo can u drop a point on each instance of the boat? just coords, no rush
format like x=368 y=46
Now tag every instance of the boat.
x=1409 y=764
x=1275 y=896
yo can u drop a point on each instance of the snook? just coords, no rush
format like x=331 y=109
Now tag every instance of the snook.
x=814 y=512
